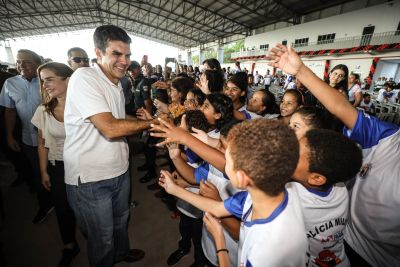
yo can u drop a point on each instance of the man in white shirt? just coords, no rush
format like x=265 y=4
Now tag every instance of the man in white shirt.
x=96 y=151
x=267 y=80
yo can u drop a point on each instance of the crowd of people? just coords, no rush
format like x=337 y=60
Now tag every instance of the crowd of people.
x=309 y=179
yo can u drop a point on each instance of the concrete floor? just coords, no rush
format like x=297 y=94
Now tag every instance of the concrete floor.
x=151 y=227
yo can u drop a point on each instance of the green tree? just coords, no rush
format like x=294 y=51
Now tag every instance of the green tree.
x=233 y=47
x=196 y=60
x=211 y=53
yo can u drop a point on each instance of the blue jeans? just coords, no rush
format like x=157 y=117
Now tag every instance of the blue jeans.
x=101 y=209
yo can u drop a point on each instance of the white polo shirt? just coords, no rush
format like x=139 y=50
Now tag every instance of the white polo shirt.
x=87 y=153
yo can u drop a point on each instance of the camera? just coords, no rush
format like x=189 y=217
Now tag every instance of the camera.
x=169 y=59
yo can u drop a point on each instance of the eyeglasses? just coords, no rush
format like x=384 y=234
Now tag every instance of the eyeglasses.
x=190 y=101
x=80 y=59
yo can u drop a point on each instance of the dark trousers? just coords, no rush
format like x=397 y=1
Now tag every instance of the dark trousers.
x=22 y=165
x=65 y=215
x=191 y=230
x=267 y=86
x=354 y=258
x=43 y=196
x=150 y=152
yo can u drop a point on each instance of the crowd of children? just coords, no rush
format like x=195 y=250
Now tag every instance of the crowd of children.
x=281 y=188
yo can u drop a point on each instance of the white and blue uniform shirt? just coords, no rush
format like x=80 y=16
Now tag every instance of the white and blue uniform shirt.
x=373 y=229
x=325 y=217
x=279 y=240
x=248 y=114
x=225 y=190
x=354 y=89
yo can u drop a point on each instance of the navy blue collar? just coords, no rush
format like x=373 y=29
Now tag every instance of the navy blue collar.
x=320 y=193
x=273 y=215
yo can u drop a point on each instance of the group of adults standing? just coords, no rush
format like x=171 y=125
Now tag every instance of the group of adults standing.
x=63 y=136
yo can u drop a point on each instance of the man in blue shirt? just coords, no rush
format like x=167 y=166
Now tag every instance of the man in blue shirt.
x=21 y=95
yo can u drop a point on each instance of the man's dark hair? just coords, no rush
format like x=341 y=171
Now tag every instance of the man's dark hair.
x=134 y=65
x=333 y=155
x=197 y=119
x=69 y=53
x=103 y=34
x=35 y=57
x=267 y=151
x=222 y=104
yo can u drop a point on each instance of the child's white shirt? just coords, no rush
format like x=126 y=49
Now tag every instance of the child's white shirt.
x=279 y=240
x=325 y=217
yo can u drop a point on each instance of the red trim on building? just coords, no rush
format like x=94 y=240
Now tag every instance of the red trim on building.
x=381 y=47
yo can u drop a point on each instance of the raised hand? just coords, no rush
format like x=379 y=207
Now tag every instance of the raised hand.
x=203 y=84
x=167 y=182
x=183 y=122
x=168 y=131
x=173 y=150
x=285 y=58
x=160 y=106
x=143 y=114
x=179 y=180
x=214 y=226
x=208 y=189
x=201 y=135
x=161 y=85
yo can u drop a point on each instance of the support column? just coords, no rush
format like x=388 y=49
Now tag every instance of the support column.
x=9 y=55
x=202 y=55
x=326 y=69
x=220 y=54
x=189 y=58
x=372 y=71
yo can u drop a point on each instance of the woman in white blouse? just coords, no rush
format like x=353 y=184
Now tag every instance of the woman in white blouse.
x=49 y=120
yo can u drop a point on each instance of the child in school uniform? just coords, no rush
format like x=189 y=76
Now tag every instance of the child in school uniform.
x=327 y=160
x=372 y=236
x=272 y=231
x=190 y=223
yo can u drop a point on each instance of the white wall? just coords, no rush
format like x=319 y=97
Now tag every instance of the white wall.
x=388 y=70
x=397 y=78
x=384 y=17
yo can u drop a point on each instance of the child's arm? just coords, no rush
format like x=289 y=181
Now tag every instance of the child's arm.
x=230 y=223
x=176 y=134
x=358 y=99
x=214 y=227
x=186 y=171
x=217 y=208
x=287 y=59
x=205 y=138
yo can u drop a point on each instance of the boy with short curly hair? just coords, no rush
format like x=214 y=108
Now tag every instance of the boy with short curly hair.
x=261 y=166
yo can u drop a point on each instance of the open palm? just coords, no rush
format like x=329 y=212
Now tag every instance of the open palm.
x=285 y=58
